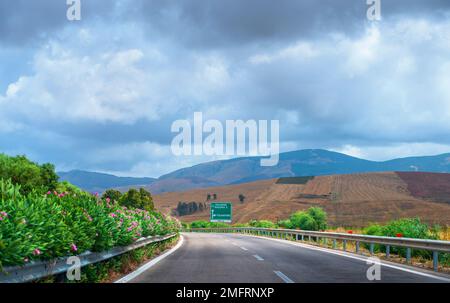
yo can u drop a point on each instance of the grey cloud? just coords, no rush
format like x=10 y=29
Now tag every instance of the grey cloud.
x=212 y=23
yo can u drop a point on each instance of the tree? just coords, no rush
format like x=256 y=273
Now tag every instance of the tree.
x=303 y=221
x=49 y=176
x=29 y=175
x=315 y=218
x=147 y=199
x=241 y=198
x=320 y=216
x=208 y=197
x=137 y=199
x=112 y=194
x=214 y=196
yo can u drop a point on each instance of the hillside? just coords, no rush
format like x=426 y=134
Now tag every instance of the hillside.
x=312 y=162
x=99 y=182
x=350 y=200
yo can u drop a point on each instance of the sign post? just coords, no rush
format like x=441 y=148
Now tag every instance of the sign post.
x=221 y=212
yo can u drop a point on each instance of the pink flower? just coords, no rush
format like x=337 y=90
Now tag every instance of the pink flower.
x=73 y=247
x=55 y=192
x=37 y=252
x=49 y=193
x=113 y=215
x=3 y=215
x=108 y=200
x=26 y=260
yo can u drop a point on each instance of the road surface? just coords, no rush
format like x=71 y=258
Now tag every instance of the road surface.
x=234 y=258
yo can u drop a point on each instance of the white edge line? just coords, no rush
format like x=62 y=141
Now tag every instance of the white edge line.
x=283 y=276
x=354 y=257
x=243 y=248
x=149 y=264
x=258 y=258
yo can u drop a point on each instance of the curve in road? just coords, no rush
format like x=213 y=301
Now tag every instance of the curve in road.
x=234 y=258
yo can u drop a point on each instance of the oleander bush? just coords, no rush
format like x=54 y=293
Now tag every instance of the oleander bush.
x=42 y=227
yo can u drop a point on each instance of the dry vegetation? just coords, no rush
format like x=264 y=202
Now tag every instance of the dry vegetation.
x=350 y=200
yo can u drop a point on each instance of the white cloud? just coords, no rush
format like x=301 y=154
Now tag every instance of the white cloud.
x=386 y=89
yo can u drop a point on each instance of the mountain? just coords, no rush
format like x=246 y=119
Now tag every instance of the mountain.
x=311 y=162
x=350 y=200
x=99 y=182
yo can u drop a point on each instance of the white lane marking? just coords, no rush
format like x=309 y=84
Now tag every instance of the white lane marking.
x=364 y=259
x=234 y=243
x=148 y=265
x=283 y=277
x=258 y=258
x=243 y=248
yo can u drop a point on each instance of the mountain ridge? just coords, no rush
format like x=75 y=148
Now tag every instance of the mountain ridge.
x=307 y=162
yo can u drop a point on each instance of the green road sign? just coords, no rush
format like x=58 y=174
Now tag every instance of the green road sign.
x=221 y=212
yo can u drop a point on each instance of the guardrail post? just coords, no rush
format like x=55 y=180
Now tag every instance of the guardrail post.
x=435 y=261
x=303 y=237
x=296 y=237
x=388 y=251
x=357 y=247
x=371 y=248
x=334 y=244
x=408 y=255
x=309 y=238
x=344 y=245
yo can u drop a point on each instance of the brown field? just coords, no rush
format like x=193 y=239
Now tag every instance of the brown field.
x=350 y=200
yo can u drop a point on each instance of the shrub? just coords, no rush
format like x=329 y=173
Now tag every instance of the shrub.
x=31 y=176
x=262 y=224
x=286 y=224
x=319 y=216
x=408 y=228
x=206 y=224
x=303 y=220
x=43 y=227
x=137 y=199
x=112 y=194
x=199 y=224
x=315 y=218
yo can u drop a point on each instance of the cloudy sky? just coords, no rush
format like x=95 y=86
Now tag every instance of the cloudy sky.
x=101 y=93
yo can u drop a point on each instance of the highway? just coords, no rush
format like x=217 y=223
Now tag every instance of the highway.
x=234 y=258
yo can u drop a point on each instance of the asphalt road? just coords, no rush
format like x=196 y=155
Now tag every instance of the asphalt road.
x=232 y=258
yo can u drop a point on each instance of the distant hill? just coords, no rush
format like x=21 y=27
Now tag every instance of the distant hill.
x=311 y=162
x=353 y=200
x=99 y=182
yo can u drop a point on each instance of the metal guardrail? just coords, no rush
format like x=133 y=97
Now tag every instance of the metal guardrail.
x=37 y=270
x=434 y=246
